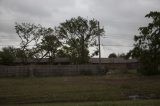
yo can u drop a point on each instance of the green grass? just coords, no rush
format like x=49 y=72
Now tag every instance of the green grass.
x=116 y=103
x=77 y=89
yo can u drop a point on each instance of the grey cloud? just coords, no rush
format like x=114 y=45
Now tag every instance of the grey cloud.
x=122 y=17
x=34 y=8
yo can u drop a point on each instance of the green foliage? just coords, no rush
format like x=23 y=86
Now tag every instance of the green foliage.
x=50 y=44
x=79 y=34
x=76 y=35
x=7 y=55
x=86 y=72
x=147 y=46
x=122 y=55
x=112 y=55
x=36 y=42
x=76 y=89
x=104 y=103
x=30 y=35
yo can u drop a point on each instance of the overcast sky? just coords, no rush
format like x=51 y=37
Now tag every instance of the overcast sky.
x=120 y=18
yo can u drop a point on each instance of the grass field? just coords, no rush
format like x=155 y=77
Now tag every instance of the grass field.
x=117 y=103
x=79 y=89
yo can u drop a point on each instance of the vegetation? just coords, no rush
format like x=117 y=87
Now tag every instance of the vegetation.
x=112 y=55
x=7 y=55
x=147 y=46
x=79 y=34
x=30 y=36
x=49 y=45
x=70 y=39
x=78 y=89
x=111 y=103
x=123 y=55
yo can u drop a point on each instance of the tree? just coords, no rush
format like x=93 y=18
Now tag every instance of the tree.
x=112 y=55
x=7 y=55
x=78 y=35
x=30 y=35
x=147 y=45
x=49 y=44
x=122 y=55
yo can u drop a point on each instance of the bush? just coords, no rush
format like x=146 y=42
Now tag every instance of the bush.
x=103 y=70
x=86 y=72
x=97 y=71
x=148 y=70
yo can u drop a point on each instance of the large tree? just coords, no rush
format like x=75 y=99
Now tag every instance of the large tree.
x=78 y=35
x=30 y=35
x=147 y=45
x=49 y=45
x=37 y=42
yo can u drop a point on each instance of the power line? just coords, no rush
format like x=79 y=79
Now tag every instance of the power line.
x=118 y=38
x=121 y=34
x=100 y=44
x=118 y=45
x=16 y=45
x=108 y=37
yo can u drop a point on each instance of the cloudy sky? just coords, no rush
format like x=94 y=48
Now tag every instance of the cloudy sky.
x=120 y=18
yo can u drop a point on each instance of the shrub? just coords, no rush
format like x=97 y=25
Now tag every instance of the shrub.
x=148 y=70
x=86 y=72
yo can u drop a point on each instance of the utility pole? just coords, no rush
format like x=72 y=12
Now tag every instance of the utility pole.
x=99 y=45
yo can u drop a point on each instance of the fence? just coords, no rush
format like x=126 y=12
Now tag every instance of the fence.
x=51 y=70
